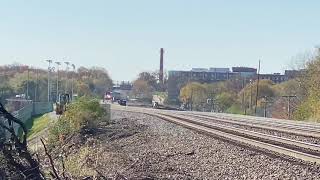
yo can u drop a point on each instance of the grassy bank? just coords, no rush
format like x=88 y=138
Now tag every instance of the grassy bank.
x=39 y=123
x=36 y=124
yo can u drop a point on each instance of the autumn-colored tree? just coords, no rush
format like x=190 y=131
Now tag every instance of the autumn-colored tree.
x=279 y=108
x=5 y=88
x=310 y=83
x=194 y=95
x=142 y=90
x=248 y=94
x=151 y=78
x=86 y=81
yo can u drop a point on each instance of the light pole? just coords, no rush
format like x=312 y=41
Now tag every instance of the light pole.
x=74 y=68
x=243 y=95
x=250 y=94
x=257 y=93
x=37 y=86
x=27 y=94
x=58 y=64
x=67 y=69
x=49 y=69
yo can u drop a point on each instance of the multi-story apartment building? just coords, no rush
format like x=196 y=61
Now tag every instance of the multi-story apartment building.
x=276 y=77
x=177 y=79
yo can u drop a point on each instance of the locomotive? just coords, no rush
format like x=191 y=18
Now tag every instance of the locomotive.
x=114 y=97
x=108 y=97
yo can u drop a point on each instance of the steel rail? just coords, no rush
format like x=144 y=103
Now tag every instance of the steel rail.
x=286 y=129
x=278 y=122
x=274 y=148
x=254 y=118
x=296 y=129
x=254 y=134
x=268 y=142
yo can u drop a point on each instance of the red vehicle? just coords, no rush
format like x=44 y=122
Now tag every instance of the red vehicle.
x=108 y=96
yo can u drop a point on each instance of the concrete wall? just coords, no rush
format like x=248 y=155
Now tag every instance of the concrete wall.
x=30 y=110
x=42 y=107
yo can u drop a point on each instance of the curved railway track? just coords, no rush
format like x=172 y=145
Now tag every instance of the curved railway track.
x=289 y=147
x=294 y=129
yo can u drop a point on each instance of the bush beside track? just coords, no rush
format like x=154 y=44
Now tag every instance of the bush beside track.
x=81 y=116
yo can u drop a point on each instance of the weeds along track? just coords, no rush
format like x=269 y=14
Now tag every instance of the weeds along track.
x=305 y=151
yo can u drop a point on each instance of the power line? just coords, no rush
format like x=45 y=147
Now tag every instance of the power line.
x=27 y=94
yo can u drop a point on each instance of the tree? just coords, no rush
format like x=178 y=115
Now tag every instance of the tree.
x=5 y=89
x=86 y=81
x=194 y=95
x=225 y=100
x=280 y=105
x=37 y=85
x=141 y=89
x=249 y=94
x=310 y=85
x=150 y=78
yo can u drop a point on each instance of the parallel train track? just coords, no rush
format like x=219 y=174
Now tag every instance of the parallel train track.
x=197 y=121
x=296 y=129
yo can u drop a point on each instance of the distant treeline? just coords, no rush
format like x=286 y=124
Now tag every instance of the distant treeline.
x=19 y=79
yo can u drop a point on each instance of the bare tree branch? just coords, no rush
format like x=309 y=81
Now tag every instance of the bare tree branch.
x=55 y=173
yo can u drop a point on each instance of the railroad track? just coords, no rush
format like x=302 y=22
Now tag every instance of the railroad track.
x=304 y=126
x=295 y=129
x=289 y=147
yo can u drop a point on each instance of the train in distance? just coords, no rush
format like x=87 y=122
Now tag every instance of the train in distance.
x=112 y=97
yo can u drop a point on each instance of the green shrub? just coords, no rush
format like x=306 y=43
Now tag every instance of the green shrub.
x=82 y=115
x=303 y=112
x=235 y=109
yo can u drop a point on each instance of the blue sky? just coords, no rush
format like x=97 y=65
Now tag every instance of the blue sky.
x=125 y=36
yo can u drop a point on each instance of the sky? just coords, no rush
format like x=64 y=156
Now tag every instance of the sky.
x=125 y=37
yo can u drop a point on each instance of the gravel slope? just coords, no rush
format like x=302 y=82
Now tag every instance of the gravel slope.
x=137 y=146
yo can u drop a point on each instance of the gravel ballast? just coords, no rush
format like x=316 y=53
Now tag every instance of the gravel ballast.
x=138 y=146
x=233 y=123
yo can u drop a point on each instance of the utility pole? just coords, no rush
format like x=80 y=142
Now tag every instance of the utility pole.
x=250 y=95
x=161 y=67
x=265 y=108
x=191 y=104
x=74 y=68
x=257 y=94
x=27 y=94
x=265 y=105
x=49 y=69
x=211 y=102
x=58 y=64
x=67 y=69
x=243 y=96
x=288 y=104
x=37 y=85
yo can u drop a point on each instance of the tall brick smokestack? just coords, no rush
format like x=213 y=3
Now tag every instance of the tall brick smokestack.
x=161 y=66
